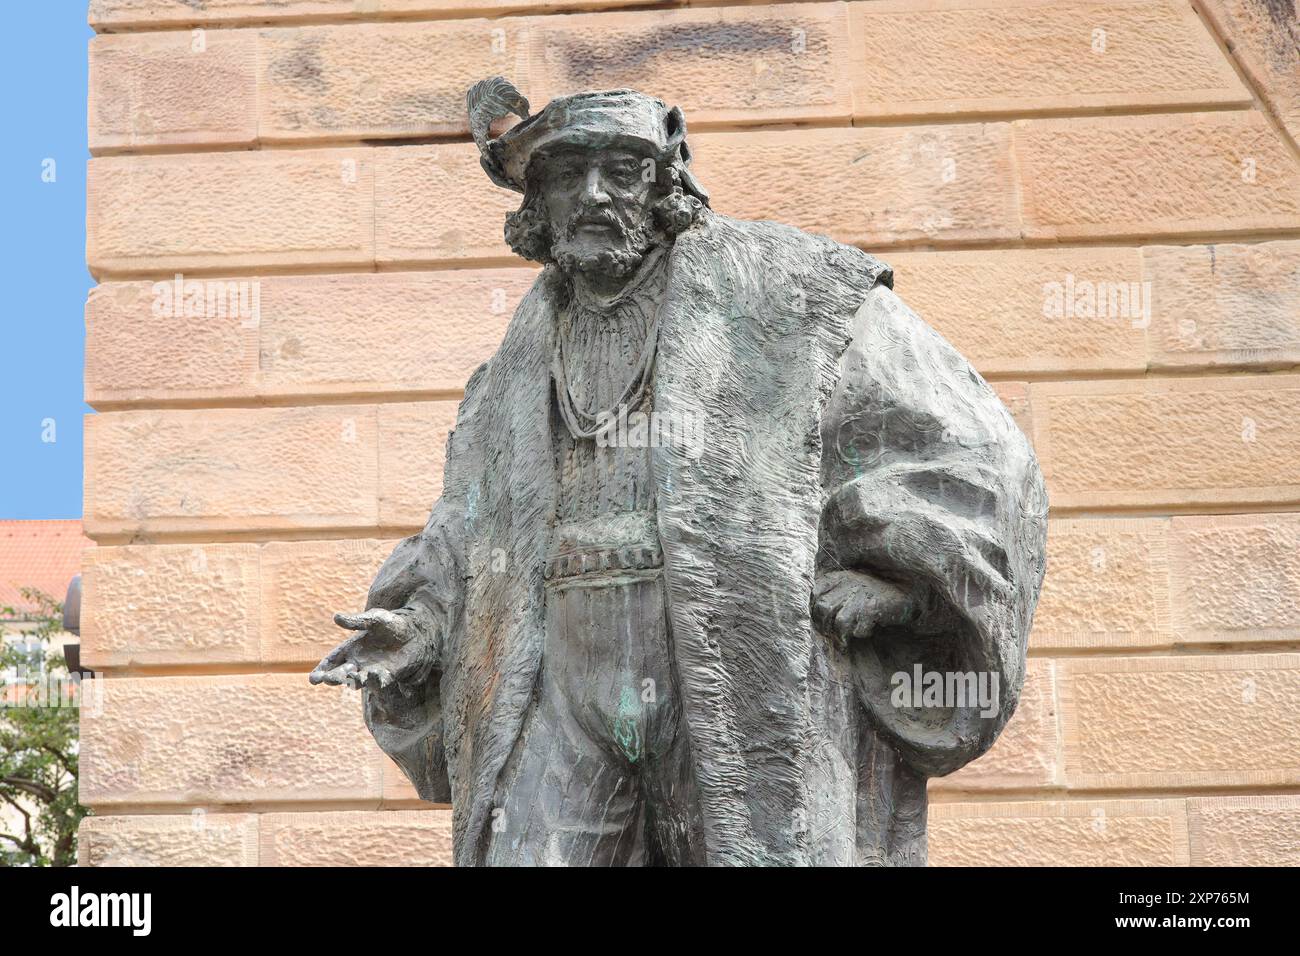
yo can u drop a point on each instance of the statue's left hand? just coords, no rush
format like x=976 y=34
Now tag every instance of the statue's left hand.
x=850 y=605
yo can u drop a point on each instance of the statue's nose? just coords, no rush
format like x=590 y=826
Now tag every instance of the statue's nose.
x=594 y=190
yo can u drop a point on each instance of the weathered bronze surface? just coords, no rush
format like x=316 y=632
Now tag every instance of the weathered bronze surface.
x=733 y=551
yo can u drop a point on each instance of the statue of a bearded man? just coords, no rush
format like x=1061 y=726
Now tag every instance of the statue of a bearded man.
x=733 y=550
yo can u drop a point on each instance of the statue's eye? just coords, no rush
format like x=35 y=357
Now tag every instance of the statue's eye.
x=568 y=174
x=623 y=173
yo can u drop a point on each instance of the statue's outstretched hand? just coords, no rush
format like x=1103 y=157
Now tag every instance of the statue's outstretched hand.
x=850 y=605
x=392 y=647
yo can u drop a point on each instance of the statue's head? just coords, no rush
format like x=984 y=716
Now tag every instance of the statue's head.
x=605 y=176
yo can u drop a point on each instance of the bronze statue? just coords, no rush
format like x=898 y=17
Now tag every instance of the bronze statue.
x=733 y=551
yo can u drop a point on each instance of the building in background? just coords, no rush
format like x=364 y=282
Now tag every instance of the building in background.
x=44 y=556
x=40 y=555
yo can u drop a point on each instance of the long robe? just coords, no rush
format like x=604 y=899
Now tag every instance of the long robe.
x=839 y=431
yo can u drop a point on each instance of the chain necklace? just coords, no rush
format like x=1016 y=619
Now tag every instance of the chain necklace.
x=583 y=424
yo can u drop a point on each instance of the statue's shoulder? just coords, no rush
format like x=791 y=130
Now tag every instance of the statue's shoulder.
x=779 y=252
x=525 y=332
x=897 y=344
x=476 y=380
x=910 y=361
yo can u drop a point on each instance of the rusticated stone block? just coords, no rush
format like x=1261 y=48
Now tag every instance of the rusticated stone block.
x=383 y=80
x=769 y=63
x=170 y=604
x=192 y=839
x=230 y=211
x=211 y=470
x=1245 y=831
x=173 y=89
x=1227 y=304
x=1139 y=176
x=412 y=440
x=150 y=14
x=1092 y=833
x=1003 y=56
x=304 y=583
x=1265 y=40
x=359 y=334
x=873 y=187
x=235 y=739
x=1237 y=577
x=383 y=838
x=1107 y=585
x=1168 y=722
x=1024 y=311
x=1169 y=442
x=416 y=190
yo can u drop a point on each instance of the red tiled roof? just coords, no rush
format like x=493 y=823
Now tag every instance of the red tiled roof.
x=38 y=554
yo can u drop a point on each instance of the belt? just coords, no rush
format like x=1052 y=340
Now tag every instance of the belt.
x=593 y=561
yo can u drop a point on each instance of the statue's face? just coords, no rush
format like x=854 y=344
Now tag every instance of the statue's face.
x=598 y=204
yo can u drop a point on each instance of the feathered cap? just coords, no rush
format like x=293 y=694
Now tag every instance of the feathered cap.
x=589 y=120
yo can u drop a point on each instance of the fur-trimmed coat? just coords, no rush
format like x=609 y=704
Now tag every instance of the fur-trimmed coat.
x=839 y=431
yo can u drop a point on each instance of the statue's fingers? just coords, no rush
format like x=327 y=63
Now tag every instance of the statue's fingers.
x=335 y=676
x=373 y=676
x=828 y=582
x=857 y=615
x=891 y=605
x=335 y=657
x=377 y=618
x=867 y=616
x=844 y=619
x=828 y=604
x=824 y=612
x=824 y=591
x=354 y=622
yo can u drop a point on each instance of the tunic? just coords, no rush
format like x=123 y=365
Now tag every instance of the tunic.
x=606 y=730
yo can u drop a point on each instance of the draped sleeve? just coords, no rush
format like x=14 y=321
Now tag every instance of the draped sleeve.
x=428 y=570
x=931 y=485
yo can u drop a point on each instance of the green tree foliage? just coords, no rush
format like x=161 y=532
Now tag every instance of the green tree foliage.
x=38 y=747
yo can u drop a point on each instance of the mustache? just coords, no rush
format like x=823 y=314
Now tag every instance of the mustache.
x=596 y=216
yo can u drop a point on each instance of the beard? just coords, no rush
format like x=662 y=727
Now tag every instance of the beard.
x=629 y=241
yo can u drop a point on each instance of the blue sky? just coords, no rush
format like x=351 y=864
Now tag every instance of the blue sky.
x=42 y=326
